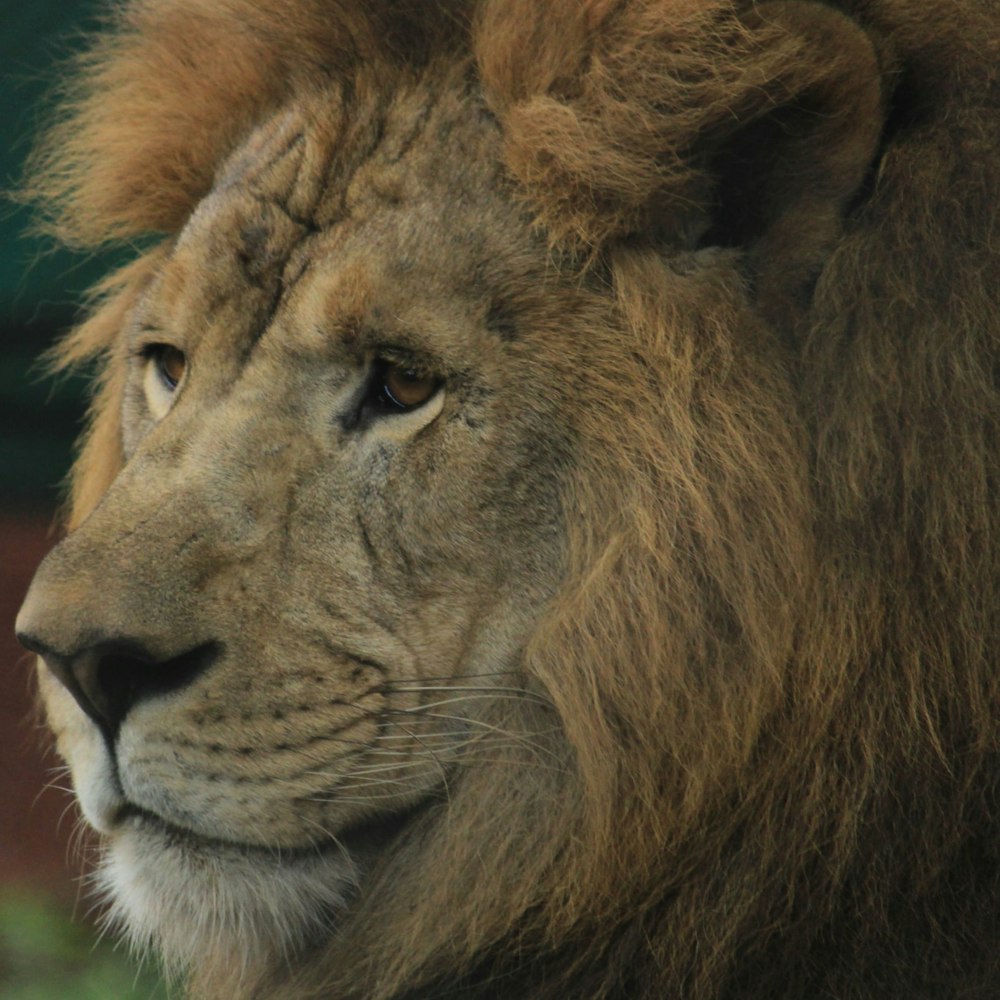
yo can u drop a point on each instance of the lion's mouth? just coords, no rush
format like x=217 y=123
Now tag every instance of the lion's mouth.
x=363 y=837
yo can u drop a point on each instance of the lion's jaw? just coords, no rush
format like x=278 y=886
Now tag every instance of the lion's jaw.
x=229 y=912
x=224 y=908
x=352 y=621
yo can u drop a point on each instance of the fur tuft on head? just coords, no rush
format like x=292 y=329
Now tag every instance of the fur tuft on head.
x=167 y=89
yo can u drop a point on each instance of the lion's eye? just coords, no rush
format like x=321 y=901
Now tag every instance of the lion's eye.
x=170 y=364
x=165 y=368
x=397 y=389
x=400 y=389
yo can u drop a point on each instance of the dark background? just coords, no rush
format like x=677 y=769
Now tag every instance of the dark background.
x=40 y=288
x=43 y=952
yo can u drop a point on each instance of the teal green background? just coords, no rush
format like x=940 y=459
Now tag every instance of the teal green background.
x=41 y=289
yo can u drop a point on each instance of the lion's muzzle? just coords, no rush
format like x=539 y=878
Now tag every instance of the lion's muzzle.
x=112 y=609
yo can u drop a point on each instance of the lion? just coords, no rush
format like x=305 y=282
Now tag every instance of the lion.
x=536 y=535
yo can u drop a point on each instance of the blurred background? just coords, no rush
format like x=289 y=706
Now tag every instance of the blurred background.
x=48 y=945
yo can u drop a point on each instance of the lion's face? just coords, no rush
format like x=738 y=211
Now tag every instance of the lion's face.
x=298 y=607
x=531 y=539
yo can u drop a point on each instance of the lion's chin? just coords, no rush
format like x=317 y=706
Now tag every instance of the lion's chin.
x=201 y=903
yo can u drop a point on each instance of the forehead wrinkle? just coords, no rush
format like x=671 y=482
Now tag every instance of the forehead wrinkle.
x=422 y=139
x=287 y=161
x=427 y=135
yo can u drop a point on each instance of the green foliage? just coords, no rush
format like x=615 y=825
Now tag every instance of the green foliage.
x=46 y=956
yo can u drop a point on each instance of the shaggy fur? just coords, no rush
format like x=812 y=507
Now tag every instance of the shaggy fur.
x=771 y=257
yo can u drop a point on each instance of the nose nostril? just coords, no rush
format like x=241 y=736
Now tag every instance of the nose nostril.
x=123 y=679
x=110 y=678
x=116 y=684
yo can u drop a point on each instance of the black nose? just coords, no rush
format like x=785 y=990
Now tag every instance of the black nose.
x=108 y=679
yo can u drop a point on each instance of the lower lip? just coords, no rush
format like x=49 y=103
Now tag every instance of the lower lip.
x=362 y=836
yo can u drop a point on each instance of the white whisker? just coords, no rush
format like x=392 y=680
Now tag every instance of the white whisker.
x=485 y=691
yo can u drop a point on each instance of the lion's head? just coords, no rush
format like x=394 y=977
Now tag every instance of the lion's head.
x=536 y=535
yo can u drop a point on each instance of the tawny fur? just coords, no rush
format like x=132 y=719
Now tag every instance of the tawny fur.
x=774 y=655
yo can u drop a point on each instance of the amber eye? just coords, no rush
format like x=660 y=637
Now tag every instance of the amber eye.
x=164 y=369
x=402 y=388
x=170 y=364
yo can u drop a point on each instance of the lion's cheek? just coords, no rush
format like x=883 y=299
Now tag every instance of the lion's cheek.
x=215 y=800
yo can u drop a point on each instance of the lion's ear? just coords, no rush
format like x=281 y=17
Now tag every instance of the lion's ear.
x=798 y=152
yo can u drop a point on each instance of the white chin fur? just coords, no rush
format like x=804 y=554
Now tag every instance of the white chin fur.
x=228 y=909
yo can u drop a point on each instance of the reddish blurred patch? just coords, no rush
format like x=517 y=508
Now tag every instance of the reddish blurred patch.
x=35 y=821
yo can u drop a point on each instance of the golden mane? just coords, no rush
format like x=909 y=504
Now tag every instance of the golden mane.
x=774 y=656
